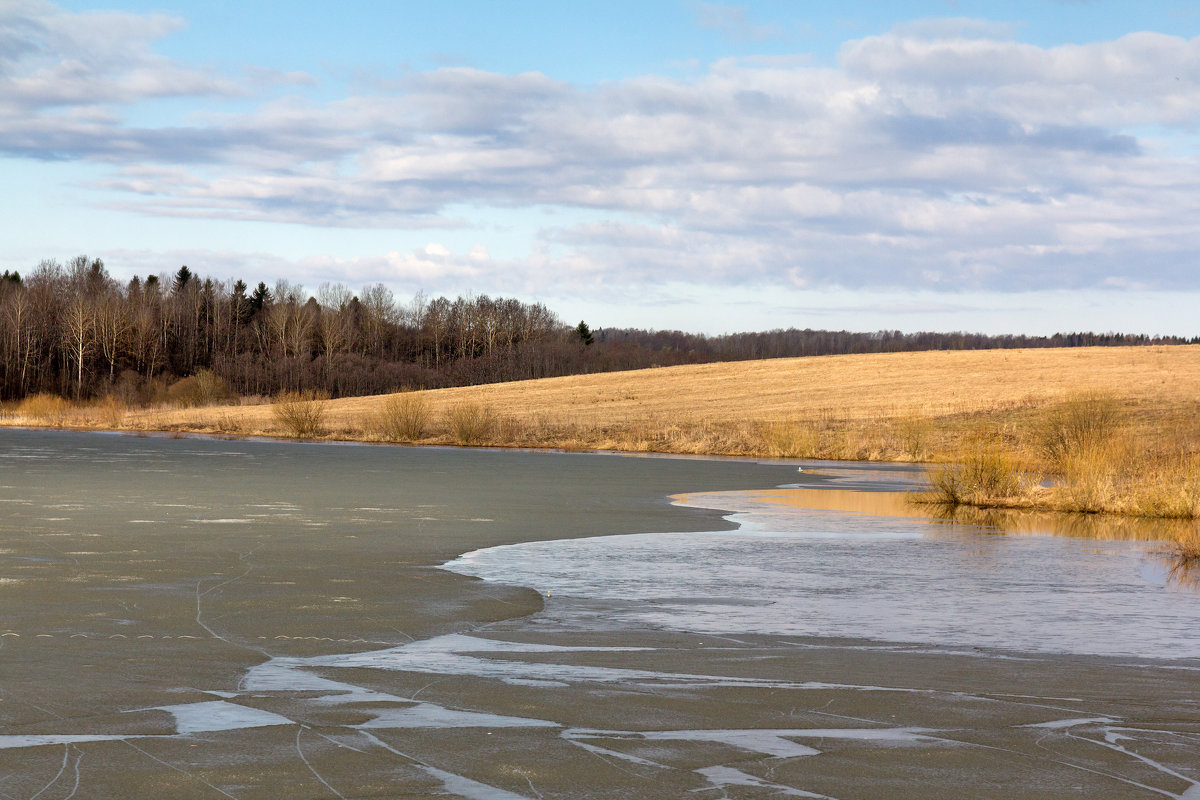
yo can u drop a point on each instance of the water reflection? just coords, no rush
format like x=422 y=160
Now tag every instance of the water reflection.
x=1183 y=572
x=1176 y=541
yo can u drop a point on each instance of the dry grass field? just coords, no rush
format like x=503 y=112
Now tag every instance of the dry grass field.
x=902 y=406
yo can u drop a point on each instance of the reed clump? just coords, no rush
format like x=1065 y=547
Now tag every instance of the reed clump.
x=1170 y=488
x=301 y=414
x=402 y=418
x=110 y=410
x=985 y=473
x=790 y=440
x=1099 y=465
x=1088 y=459
x=229 y=425
x=1081 y=424
x=44 y=409
x=912 y=433
x=469 y=423
x=205 y=388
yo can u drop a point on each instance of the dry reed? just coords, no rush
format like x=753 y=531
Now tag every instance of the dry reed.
x=301 y=414
x=470 y=423
x=985 y=473
x=44 y=409
x=401 y=418
x=110 y=411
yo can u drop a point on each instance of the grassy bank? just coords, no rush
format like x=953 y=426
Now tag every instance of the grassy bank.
x=1088 y=454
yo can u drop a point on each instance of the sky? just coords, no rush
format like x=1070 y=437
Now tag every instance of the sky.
x=1028 y=166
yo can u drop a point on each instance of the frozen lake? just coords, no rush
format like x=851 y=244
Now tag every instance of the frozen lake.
x=189 y=617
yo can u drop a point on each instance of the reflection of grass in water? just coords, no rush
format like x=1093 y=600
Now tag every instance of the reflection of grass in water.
x=1182 y=572
x=1111 y=527
x=1180 y=551
x=1183 y=560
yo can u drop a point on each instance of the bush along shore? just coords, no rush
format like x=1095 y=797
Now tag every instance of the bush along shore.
x=1085 y=455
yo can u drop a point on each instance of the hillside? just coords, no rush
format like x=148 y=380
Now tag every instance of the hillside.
x=880 y=406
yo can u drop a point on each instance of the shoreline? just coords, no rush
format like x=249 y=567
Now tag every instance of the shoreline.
x=814 y=515
x=1031 y=503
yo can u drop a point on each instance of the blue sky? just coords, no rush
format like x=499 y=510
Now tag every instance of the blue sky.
x=1020 y=167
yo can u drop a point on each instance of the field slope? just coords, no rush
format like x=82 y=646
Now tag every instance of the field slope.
x=877 y=406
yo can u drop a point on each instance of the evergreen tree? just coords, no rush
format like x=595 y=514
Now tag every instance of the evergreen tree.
x=182 y=279
x=260 y=298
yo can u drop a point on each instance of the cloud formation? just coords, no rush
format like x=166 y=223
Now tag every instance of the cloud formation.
x=943 y=154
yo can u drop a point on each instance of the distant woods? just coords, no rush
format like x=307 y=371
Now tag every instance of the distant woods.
x=72 y=330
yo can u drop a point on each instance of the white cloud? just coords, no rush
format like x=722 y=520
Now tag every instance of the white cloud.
x=51 y=58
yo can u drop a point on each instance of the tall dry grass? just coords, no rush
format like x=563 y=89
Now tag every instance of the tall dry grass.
x=301 y=415
x=110 y=411
x=1082 y=423
x=401 y=418
x=985 y=473
x=470 y=424
x=44 y=409
x=790 y=440
x=1084 y=454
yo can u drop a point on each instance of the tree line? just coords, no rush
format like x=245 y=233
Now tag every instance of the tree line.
x=73 y=330
x=681 y=347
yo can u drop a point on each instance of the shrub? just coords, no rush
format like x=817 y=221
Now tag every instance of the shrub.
x=402 y=418
x=913 y=432
x=1171 y=489
x=301 y=414
x=1095 y=474
x=469 y=423
x=1080 y=422
x=984 y=472
x=47 y=409
x=202 y=389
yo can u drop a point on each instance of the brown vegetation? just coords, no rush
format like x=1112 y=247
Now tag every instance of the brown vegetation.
x=1108 y=429
x=875 y=407
x=300 y=415
x=401 y=418
x=43 y=409
x=1088 y=453
x=470 y=423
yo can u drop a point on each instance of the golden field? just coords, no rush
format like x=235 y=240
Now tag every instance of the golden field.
x=900 y=406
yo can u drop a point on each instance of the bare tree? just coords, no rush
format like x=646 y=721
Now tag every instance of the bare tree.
x=79 y=334
x=335 y=324
x=379 y=316
x=113 y=326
